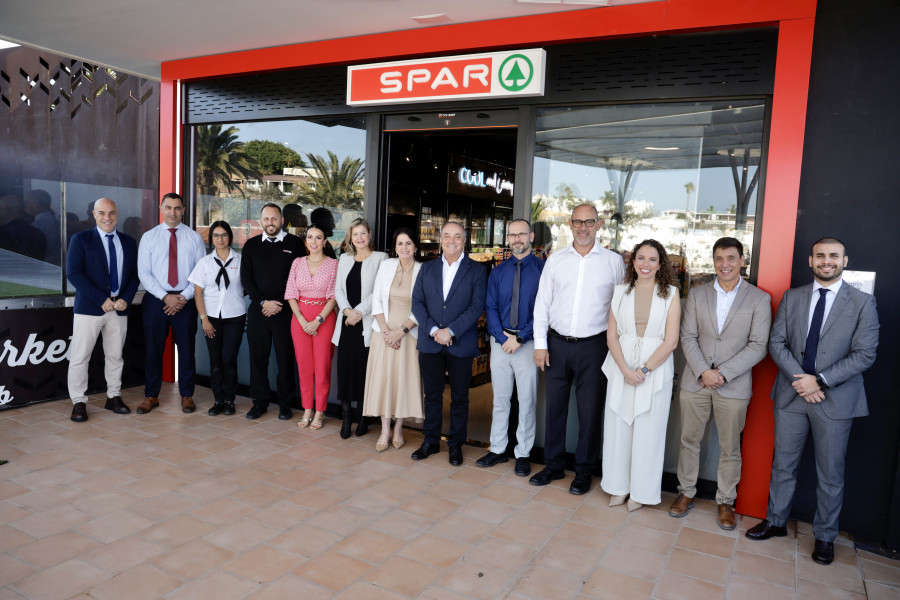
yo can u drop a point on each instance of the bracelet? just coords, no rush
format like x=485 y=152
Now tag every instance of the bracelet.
x=320 y=319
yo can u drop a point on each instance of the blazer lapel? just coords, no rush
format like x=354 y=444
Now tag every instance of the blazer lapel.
x=803 y=324
x=711 y=298
x=839 y=304
x=741 y=296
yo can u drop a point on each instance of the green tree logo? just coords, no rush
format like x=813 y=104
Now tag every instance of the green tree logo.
x=515 y=72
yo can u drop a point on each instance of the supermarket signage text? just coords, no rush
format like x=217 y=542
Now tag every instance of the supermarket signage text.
x=489 y=75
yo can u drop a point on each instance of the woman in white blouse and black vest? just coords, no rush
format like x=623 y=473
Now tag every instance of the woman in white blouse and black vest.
x=220 y=303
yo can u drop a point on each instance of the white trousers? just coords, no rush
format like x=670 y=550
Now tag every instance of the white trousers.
x=633 y=455
x=506 y=370
x=85 y=329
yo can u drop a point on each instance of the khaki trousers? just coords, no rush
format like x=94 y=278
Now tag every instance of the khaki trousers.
x=730 y=415
x=85 y=329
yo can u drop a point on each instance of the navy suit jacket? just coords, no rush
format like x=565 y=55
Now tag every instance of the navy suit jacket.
x=88 y=270
x=460 y=311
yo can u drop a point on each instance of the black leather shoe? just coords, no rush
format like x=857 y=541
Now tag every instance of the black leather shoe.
x=424 y=451
x=229 y=407
x=256 y=412
x=284 y=414
x=581 y=484
x=216 y=409
x=765 y=530
x=346 y=424
x=79 y=412
x=117 y=406
x=490 y=459
x=456 y=457
x=362 y=428
x=546 y=475
x=823 y=553
x=523 y=466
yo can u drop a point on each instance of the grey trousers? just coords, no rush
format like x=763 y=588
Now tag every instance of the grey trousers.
x=506 y=370
x=792 y=424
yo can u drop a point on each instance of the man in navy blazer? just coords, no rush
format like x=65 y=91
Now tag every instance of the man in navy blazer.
x=824 y=336
x=102 y=265
x=447 y=301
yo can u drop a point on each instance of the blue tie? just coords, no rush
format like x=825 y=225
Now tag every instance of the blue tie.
x=812 y=338
x=113 y=266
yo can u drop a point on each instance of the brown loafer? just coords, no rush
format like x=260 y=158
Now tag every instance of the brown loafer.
x=726 y=517
x=147 y=405
x=187 y=405
x=681 y=505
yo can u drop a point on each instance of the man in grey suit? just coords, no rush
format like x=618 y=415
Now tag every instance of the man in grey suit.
x=824 y=336
x=724 y=331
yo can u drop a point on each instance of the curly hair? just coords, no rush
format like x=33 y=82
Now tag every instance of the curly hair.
x=664 y=276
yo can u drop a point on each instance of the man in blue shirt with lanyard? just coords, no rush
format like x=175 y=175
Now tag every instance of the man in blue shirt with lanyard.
x=509 y=308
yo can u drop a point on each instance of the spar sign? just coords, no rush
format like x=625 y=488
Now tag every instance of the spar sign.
x=491 y=75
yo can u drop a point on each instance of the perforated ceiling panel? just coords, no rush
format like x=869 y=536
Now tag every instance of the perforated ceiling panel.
x=665 y=67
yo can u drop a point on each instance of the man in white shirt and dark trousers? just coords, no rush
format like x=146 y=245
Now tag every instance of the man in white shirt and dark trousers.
x=166 y=256
x=571 y=313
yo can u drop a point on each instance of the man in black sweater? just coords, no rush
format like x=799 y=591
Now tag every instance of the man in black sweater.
x=265 y=265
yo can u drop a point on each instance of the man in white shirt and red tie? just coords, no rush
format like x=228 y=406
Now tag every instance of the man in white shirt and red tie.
x=166 y=256
x=571 y=313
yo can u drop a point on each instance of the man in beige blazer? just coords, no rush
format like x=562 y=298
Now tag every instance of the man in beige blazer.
x=724 y=332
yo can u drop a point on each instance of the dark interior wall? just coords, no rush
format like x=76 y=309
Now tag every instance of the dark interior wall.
x=850 y=189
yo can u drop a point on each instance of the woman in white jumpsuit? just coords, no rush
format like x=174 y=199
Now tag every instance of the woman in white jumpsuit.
x=643 y=332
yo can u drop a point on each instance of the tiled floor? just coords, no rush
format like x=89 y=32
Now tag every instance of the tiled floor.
x=175 y=506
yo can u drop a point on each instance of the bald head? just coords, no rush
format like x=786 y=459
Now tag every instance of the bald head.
x=106 y=214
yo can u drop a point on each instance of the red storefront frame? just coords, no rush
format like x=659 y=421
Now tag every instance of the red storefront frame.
x=795 y=22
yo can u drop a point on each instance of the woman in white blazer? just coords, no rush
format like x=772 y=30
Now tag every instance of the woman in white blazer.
x=393 y=382
x=353 y=290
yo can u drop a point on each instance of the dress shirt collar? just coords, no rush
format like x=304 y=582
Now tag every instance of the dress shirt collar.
x=595 y=249
x=103 y=234
x=720 y=289
x=834 y=287
x=278 y=238
x=214 y=254
x=455 y=264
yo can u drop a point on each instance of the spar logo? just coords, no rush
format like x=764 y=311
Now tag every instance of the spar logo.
x=515 y=72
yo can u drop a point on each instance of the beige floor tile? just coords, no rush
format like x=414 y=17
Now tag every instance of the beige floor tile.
x=703 y=541
x=8 y=489
x=363 y=590
x=143 y=582
x=57 y=548
x=543 y=513
x=462 y=528
x=476 y=581
x=290 y=587
x=217 y=584
x=50 y=522
x=783 y=548
x=402 y=524
x=880 y=571
x=612 y=585
x=486 y=510
x=457 y=491
x=154 y=485
x=60 y=582
x=240 y=536
x=194 y=558
x=13 y=569
x=632 y=561
x=178 y=530
x=430 y=506
x=699 y=566
x=674 y=586
x=477 y=476
x=652 y=540
x=541 y=582
x=277 y=515
x=764 y=568
x=222 y=511
x=305 y=540
x=559 y=497
x=847 y=577
x=501 y=554
x=370 y=546
x=524 y=532
x=115 y=525
x=748 y=588
x=567 y=558
x=424 y=472
x=10 y=512
x=515 y=495
x=814 y=590
x=11 y=538
x=403 y=575
x=881 y=591
x=264 y=564
x=436 y=551
x=46 y=499
x=124 y=554
x=332 y=570
x=583 y=535
x=343 y=519
x=843 y=553
x=600 y=516
x=654 y=519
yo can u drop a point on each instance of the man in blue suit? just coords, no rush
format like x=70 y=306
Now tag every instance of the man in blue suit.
x=447 y=301
x=102 y=265
x=824 y=336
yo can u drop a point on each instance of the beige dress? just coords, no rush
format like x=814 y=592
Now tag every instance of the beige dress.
x=393 y=381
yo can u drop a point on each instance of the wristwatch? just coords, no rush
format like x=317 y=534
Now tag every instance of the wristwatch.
x=520 y=340
x=821 y=382
x=405 y=329
x=202 y=317
x=320 y=319
x=644 y=369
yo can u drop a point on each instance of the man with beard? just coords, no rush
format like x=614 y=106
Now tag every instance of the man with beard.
x=571 y=314
x=824 y=336
x=265 y=264
x=509 y=308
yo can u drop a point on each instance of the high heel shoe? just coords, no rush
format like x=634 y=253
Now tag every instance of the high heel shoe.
x=305 y=419
x=633 y=506
x=345 y=425
x=318 y=421
x=617 y=500
x=398 y=443
x=381 y=447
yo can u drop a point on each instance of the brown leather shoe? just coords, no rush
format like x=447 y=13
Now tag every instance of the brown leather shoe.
x=726 y=517
x=147 y=405
x=681 y=506
x=187 y=405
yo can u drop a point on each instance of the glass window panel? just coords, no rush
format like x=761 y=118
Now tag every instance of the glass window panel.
x=317 y=165
x=685 y=174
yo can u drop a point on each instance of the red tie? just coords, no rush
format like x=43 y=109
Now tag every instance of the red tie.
x=173 y=260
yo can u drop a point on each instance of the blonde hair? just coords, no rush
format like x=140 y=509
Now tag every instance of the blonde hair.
x=348 y=241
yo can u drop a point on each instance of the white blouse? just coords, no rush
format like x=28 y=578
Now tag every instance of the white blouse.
x=221 y=302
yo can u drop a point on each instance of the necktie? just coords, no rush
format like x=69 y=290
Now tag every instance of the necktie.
x=173 y=259
x=273 y=240
x=113 y=266
x=812 y=338
x=514 y=305
x=222 y=272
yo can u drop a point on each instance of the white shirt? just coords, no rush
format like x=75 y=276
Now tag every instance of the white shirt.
x=724 y=302
x=119 y=255
x=575 y=293
x=153 y=259
x=829 y=301
x=278 y=237
x=449 y=272
x=221 y=302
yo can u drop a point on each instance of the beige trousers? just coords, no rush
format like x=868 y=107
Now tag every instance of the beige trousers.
x=730 y=414
x=85 y=329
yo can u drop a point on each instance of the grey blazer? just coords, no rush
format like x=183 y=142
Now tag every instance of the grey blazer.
x=741 y=344
x=369 y=271
x=846 y=348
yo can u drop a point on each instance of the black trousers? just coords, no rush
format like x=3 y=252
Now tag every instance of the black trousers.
x=223 y=354
x=156 y=330
x=579 y=361
x=433 y=367
x=262 y=333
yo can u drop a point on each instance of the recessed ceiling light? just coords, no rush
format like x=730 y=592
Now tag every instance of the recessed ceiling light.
x=432 y=19
x=657 y=148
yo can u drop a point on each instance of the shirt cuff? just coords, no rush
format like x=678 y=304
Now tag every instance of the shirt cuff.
x=540 y=343
x=433 y=329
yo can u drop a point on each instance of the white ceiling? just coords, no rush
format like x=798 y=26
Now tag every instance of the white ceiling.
x=135 y=36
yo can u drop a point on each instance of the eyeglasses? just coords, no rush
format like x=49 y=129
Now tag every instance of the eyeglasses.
x=220 y=236
x=517 y=235
x=578 y=223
